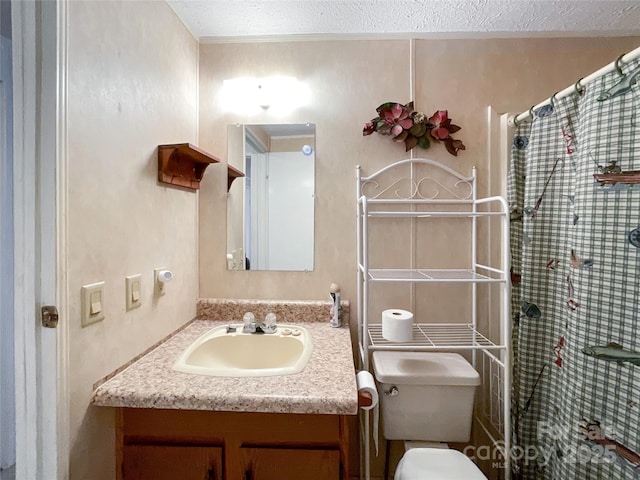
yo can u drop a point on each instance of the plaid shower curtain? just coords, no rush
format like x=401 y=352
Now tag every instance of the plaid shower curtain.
x=574 y=194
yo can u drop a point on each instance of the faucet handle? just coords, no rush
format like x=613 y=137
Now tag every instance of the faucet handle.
x=270 y=319
x=249 y=321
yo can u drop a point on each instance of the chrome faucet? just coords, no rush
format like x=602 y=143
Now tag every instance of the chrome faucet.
x=250 y=325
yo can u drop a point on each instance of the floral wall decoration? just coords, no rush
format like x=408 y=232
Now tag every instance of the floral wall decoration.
x=403 y=124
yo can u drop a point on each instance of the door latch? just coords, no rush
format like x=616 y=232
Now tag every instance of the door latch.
x=49 y=316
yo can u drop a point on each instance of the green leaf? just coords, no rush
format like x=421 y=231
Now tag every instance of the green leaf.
x=418 y=129
x=423 y=142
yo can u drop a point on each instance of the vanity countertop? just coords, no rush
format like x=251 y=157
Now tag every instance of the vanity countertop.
x=327 y=385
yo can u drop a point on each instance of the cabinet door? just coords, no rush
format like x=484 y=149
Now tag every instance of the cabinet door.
x=290 y=464
x=166 y=462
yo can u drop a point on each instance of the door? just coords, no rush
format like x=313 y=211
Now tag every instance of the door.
x=290 y=464
x=256 y=204
x=169 y=462
x=37 y=107
x=290 y=211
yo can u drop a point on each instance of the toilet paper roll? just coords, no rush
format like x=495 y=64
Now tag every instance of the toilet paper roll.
x=367 y=384
x=397 y=325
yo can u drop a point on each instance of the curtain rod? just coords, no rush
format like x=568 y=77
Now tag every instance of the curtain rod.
x=615 y=65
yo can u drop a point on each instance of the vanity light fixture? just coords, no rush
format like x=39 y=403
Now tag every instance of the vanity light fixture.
x=278 y=94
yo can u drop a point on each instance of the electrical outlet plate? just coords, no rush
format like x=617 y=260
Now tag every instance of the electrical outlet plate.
x=92 y=303
x=133 y=291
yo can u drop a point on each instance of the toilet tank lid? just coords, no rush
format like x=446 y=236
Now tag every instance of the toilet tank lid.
x=424 y=368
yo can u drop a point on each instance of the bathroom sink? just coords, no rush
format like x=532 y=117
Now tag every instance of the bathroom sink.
x=223 y=352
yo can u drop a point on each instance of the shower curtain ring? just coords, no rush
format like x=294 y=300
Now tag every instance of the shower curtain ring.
x=617 y=65
x=577 y=87
x=516 y=123
x=531 y=112
x=552 y=101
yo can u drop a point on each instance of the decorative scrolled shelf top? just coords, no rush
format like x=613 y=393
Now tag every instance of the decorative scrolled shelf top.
x=414 y=185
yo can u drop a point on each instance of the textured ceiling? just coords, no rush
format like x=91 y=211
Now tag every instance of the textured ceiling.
x=211 y=20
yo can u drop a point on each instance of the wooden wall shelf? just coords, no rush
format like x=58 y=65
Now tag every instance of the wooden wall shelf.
x=183 y=164
x=232 y=174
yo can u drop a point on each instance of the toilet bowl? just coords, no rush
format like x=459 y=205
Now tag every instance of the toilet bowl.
x=427 y=397
x=436 y=464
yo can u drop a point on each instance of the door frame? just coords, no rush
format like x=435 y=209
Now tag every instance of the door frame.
x=7 y=390
x=42 y=397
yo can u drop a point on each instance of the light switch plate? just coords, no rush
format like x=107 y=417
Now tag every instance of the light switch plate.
x=133 y=291
x=92 y=303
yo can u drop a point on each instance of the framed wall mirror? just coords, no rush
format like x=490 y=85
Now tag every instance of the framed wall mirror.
x=270 y=211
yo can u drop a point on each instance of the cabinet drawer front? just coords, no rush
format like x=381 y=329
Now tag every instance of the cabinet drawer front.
x=161 y=462
x=290 y=464
x=148 y=425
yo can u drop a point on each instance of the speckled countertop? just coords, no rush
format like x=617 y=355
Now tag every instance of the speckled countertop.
x=327 y=385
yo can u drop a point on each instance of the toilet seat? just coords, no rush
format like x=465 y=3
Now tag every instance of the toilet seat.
x=436 y=464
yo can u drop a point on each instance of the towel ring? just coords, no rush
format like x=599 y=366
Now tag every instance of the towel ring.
x=617 y=65
x=577 y=87
x=552 y=101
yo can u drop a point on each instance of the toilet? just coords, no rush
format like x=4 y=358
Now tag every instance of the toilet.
x=436 y=464
x=427 y=397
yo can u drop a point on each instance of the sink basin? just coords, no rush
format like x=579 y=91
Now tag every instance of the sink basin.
x=236 y=354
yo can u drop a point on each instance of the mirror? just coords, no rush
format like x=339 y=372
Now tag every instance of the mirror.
x=270 y=211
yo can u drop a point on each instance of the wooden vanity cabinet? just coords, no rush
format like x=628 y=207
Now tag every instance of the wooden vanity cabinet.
x=170 y=444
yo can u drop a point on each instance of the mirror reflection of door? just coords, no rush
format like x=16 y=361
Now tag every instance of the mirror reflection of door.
x=290 y=211
x=256 y=203
x=278 y=198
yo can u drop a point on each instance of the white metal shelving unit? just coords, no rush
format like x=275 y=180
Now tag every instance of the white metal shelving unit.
x=451 y=195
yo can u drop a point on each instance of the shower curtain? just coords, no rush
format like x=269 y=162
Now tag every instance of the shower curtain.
x=574 y=194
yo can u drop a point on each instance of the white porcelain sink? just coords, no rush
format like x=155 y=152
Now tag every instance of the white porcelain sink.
x=235 y=354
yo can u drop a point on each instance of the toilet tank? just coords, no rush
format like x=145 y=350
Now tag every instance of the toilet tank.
x=425 y=395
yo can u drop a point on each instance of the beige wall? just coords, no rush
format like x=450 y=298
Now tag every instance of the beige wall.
x=132 y=85
x=348 y=80
x=345 y=93
x=291 y=144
